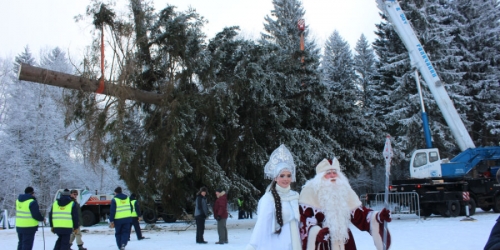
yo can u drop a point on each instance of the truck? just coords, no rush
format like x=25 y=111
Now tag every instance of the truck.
x=96 y=208
x=443 y=187
x=153 y=210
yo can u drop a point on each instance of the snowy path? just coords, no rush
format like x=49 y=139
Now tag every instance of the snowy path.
x=435 y=233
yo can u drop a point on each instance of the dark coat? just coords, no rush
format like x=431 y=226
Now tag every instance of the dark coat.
x=112 y=209
x=220 y=207
x=63 y=201
x=494 y=239
x=137 y=207
x=201 y=207
x=79 y=210
x=35 y=213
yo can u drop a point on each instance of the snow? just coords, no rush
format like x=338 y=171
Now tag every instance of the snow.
x=408 y=233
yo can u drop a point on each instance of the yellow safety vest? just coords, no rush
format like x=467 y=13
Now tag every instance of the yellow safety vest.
x=61 y=215
x=23 y=214
x=122 y=208
x=134 y=213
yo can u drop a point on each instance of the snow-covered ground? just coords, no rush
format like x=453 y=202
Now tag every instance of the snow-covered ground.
x=434 y=233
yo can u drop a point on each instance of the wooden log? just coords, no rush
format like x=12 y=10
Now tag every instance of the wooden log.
x=59 y=79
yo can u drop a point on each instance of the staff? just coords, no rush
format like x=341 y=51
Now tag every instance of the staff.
x=388 y=156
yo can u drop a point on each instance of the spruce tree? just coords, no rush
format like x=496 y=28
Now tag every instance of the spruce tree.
x=364 y=66
x=478 y=44
x=371 y=175
x=297 y=102
x=351 y=128
x=431 y=23
x=195 y=137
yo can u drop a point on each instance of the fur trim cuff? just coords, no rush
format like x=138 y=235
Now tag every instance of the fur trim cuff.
x=311 y=238
x=377 y=232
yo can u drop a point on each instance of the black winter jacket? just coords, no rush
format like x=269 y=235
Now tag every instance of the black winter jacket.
x=201 y=207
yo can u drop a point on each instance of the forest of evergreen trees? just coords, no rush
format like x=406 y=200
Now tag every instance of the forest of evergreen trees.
x=230 y=101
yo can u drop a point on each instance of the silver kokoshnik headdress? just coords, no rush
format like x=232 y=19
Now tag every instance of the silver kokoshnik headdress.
x=281 y=159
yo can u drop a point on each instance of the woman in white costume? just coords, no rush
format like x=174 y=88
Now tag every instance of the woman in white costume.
x=278 y=210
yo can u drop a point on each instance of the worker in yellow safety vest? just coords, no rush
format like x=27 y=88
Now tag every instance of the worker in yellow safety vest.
x=136 y=217
x=120 y=217
x=27 y=217
x=63 y=218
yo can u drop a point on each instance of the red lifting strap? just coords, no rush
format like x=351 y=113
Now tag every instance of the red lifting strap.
x=100 y=89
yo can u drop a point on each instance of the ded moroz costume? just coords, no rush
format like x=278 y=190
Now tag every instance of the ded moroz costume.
x=328 y=205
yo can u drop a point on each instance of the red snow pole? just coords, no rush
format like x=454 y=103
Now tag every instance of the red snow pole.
x=301 y=24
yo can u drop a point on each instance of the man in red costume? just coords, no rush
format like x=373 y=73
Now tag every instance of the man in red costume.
x=328 y=205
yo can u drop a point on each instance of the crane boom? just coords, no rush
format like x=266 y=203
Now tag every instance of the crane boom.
x=421 y=61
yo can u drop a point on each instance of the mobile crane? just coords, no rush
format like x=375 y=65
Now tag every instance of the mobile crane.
x=444 y=186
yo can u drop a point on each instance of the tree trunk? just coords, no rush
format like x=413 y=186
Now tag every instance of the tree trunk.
x=54 y=78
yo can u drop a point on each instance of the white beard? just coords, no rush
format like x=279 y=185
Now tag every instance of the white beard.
x=332 y=197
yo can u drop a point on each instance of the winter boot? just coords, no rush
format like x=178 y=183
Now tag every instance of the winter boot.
x=80 y=247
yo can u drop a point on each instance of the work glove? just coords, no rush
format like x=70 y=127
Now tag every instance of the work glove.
x=112 y=224
x=52 y=229
x=76 y=231
x=139 y=218
x=384 y=215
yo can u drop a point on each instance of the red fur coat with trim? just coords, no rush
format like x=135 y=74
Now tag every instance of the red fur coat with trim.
x=311 y=222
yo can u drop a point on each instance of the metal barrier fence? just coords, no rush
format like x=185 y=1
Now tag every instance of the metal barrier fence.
x=402 y=204
x=4 y=220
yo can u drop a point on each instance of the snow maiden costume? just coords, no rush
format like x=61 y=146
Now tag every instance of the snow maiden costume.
x=275 y=229
x=329 y=205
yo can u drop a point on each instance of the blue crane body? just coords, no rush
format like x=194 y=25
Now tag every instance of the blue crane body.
x=442 y=184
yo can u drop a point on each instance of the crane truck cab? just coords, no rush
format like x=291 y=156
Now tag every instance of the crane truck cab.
x=425 y=163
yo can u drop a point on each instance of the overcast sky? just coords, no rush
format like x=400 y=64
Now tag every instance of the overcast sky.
x=45 y=24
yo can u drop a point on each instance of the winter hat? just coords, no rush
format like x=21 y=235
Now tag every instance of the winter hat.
x=29 y=190
x=66 y=192
x=219 y=189
x=74 y=191
x=325 y=165
x=202 y=189
x=132 y=196
x=118 y=190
